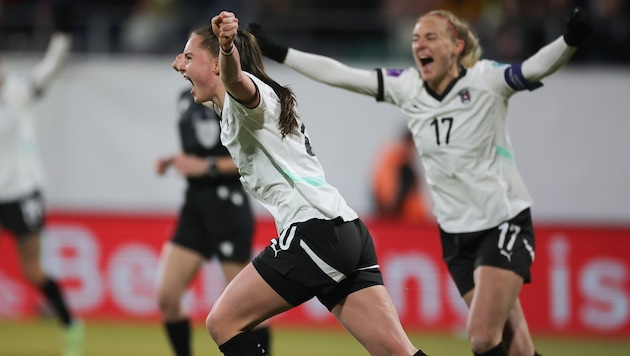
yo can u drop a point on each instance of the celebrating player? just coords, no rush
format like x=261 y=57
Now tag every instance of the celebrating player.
x=456 y=106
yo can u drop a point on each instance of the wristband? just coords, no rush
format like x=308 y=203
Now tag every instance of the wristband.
x=227 y=53
x=213 y=170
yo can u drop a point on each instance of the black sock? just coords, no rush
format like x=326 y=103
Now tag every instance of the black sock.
x=263 y=335
x=496 y=351
x=51 y=291
x=243 y=344
x=536 y=353
x=179 y=336
x=419 y=353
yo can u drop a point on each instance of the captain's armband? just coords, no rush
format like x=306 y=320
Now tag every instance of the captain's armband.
x=515 y=79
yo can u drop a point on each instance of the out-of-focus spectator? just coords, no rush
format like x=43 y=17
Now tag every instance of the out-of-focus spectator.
x=360 y=29
x=151 y=27
x=397 y=182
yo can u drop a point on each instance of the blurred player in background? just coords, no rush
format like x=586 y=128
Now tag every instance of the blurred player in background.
x=457 y=109
x=21 y=175
x=216 y=219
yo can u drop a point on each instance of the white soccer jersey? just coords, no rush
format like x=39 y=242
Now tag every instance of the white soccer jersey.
x=462 y=135
x=20 y=167
x=463 y=140
x=281 y=173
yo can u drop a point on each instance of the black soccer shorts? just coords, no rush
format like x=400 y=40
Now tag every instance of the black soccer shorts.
x=23 y=216
x=510 y=246
x=327 y=259
x=217 y=221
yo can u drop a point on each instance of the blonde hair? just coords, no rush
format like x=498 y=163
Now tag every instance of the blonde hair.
x=460 y=29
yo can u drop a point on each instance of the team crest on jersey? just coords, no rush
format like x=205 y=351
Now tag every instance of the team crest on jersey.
x=464 y=95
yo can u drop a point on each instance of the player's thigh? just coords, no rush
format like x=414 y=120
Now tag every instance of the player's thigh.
x=370 y=316
x=178 y=267
x=495 y=294
x=246 y=301
x=231 y=269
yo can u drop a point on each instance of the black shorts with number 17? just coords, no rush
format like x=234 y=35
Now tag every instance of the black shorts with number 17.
x=510 y=245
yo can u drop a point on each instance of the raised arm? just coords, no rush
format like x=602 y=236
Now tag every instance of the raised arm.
x=59 y=46
x=556 y=54
x=237 y=83
x=320 y=68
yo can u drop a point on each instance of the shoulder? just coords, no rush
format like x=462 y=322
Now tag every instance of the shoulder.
x=18 y=86
x=399 y=74
x=488 y=67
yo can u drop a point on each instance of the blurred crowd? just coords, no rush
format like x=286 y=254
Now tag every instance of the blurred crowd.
x=510 y=30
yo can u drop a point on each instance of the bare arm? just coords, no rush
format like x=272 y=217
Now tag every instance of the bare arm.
x=237 y=83
x=188 y=165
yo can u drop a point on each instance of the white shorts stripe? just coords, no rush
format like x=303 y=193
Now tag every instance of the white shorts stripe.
x=325 y=267
x=368 y=267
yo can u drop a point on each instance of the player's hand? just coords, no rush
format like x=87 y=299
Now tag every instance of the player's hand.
x=63 y=15
x=268 y=47
x=162 y=164
x=579 y=27
x=225 y=27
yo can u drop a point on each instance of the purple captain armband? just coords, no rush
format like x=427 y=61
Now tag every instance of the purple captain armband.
x=515 y=79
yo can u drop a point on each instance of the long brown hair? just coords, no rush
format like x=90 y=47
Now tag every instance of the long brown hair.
x=251 y=62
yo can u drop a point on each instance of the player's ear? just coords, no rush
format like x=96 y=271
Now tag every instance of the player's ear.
x=215 y=66
x=460 y=45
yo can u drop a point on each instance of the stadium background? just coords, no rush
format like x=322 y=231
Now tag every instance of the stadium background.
x=113 y=112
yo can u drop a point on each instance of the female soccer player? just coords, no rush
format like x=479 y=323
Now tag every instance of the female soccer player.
x=323 y=249
x=216 y=219
x=456 y=106
x=22 y=210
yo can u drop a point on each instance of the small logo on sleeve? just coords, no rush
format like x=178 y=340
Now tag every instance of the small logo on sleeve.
x=393 y=72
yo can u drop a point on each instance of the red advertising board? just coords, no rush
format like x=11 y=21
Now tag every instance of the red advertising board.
x=108 y=264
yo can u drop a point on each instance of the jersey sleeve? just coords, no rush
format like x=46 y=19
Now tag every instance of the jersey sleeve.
x=255 y=116
x=397 y=86
x=547 y=60
x=332 y=72
x=527 y=75
x=504 y=79
x=56 y=54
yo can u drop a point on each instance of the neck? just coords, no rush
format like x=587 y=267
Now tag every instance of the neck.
x=440 y=85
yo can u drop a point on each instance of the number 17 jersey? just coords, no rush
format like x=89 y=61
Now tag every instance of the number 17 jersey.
x=463 y=141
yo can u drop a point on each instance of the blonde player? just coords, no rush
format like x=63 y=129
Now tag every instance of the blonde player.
x=456 y=106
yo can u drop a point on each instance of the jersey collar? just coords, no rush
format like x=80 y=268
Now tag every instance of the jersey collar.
x=462 y=73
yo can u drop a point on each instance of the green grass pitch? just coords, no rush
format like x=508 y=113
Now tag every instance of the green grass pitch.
x=106 y=338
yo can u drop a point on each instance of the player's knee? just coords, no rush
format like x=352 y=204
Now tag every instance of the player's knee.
x=168 y=303
x=212 y=325
x=482 y=340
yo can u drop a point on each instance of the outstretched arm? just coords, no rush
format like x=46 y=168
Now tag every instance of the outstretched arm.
x=556 y=54
x=59 y=46
x=237 y=83
x=320 y=68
